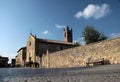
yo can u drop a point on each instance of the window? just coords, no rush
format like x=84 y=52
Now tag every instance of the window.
x=30 y=44
x=60 y=47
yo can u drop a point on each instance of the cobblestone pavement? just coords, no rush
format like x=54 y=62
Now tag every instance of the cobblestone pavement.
x=105 y=73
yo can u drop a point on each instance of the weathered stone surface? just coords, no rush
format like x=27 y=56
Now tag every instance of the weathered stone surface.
x=36 y=48
x=20 y=58
x=78 y=56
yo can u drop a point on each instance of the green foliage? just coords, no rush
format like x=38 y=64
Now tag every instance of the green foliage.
x=91 y=35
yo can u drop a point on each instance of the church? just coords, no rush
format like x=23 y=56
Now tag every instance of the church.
x=37 y=48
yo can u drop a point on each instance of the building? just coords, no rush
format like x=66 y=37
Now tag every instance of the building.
x=4 y=61
x=21 y=57
x=68 y=34
x=37 y=48
x=13 y=62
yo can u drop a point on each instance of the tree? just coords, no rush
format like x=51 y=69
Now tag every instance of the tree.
x=77 y=44
x=91 y=35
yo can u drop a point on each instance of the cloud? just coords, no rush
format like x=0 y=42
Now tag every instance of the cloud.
x=95 y=11
x=80 y=40
x=60 y=26
x=114 y=35
x=46 y=32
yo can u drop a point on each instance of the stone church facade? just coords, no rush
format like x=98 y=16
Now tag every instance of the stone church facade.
x=37 y=48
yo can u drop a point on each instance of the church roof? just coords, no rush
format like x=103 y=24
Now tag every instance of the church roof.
x=54 y=41
x=21 y=49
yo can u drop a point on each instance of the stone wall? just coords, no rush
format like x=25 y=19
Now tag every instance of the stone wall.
x=78 y=56
x=20 y=58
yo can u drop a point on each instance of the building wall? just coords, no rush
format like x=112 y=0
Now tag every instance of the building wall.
x=30 y=49
x=36 y=49
x=20 y=58
x=44 y=48
x=4 y=61
x=78 y=56
x=13 y=62
x=17 y=63
x=51 y=47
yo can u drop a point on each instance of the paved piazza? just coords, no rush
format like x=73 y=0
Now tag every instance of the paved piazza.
x=103 y=73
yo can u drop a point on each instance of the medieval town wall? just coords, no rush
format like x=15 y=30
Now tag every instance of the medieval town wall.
x=78 y=56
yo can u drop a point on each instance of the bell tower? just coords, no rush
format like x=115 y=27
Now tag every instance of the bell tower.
x=68 y=34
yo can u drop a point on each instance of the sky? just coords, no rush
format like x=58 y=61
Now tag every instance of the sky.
x=47 y=18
